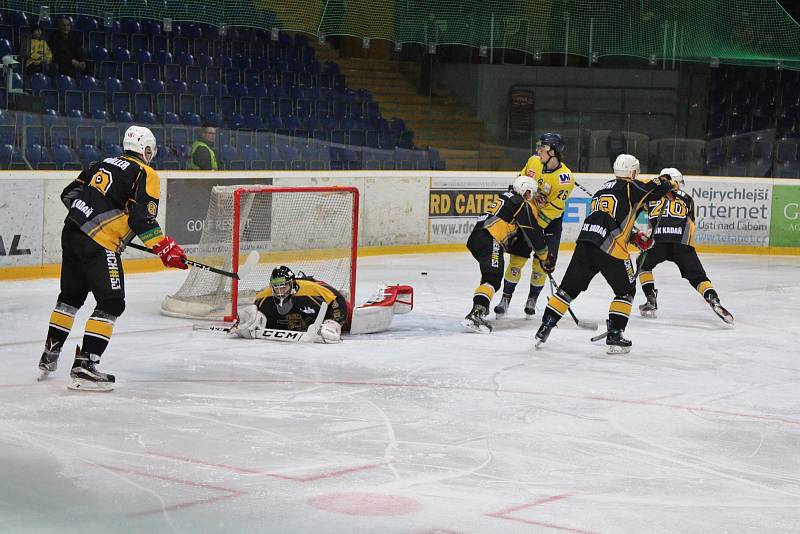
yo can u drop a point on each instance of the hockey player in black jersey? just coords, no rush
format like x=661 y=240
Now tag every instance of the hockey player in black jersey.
x=602 y=246
x=110 y=202
x=292 y=302
x=674 y=241
x=509 y=217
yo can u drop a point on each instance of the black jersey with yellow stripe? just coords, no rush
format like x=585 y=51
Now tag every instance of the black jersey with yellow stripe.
x=677 y=224
x=305 y=304
x=509 y=215
x=113 y=200
x=613 y=212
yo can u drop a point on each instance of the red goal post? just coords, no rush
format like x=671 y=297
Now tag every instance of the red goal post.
x=309 y=229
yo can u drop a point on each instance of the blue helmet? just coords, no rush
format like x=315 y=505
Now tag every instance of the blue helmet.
x=554 y=141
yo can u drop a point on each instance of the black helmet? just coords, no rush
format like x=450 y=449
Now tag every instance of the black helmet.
x=554 y=141
x=282 y=282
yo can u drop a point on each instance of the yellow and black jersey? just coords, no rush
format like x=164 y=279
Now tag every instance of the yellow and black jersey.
x=555 y=185
x=677 y=224
x=613 y=212
x=509 y=214
x=302 y=311
x=113 y=200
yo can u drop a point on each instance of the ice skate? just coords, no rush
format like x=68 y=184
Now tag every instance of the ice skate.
x=544 y=330
x=48 y=363
x=502 y=307
x=648 y=309
x=475 y=321
x=530 y=307
x=723 y=314
x=84 y=376
x=616 y=344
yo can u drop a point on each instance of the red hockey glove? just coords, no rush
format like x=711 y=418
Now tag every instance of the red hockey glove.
x=642 y=241
x=171 y=253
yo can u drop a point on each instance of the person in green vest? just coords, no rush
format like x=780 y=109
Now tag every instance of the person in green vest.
x=202 y=156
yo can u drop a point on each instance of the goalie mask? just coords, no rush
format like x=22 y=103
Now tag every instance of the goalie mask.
x=282 y=282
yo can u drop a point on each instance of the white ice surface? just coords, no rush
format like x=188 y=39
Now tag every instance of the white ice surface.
x=423 y=429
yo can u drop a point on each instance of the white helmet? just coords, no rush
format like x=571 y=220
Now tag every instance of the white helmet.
x=137 y=139
x=675 y=174
x=524 y=183
x=626 y=166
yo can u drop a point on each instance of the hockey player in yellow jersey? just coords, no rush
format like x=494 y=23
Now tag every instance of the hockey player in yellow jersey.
x=292 y=303
x=673 y=224
x=509 y=217
x=110 y=202
x=602 y=247
x=554 y=185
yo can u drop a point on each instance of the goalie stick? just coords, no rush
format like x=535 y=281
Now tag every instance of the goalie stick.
x=276 y=334
x=252 y=259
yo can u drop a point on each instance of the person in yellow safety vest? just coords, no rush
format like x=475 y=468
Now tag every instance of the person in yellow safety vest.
x=202 y=155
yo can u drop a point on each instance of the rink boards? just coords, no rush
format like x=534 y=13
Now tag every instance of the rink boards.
x=408 y=211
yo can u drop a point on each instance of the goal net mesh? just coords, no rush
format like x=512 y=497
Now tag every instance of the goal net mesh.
x=312 y=230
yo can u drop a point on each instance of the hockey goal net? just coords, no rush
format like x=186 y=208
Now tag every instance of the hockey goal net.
x=308 y=229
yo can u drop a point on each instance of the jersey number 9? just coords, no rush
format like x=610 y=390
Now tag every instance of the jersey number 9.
x=101 y=181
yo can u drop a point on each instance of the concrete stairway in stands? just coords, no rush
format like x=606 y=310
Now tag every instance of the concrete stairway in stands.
x=437 y=121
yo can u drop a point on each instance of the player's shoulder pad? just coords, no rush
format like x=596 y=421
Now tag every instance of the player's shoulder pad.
x=313 y=288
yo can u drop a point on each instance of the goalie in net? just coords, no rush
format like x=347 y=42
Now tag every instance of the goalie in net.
x=297 y=303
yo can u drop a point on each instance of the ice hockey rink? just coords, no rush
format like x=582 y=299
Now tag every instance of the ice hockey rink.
x=423 y=429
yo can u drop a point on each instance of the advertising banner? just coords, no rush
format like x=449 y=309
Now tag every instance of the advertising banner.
x=785 y=223
x=726 y=212
x=731 y=213
x=187 y=206
x=21 y=222
x=455 y=203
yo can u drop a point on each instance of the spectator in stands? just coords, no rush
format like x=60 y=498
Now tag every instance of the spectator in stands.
x=67 y=50
x=39 y=58
x=202 y=156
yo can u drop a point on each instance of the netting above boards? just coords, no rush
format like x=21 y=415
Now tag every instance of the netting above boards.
x=741 y=31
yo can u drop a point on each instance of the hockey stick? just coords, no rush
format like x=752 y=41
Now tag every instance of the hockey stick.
x=588 y=325
x=252 y=259
x=579 y=186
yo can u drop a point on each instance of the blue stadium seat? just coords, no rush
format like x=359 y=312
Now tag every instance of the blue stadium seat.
x=142 y=102
x=121 y=54
x=146 y=117
x=59 y=135
x=99 y=53
x=151 y=72
x=191 y=118
x=34 y=135
x=89 y=83
x=113 y=85
x=213 y=118
x=123 y=116
x=39 y=83
x=85 y=135
x=100 y=115
x=63 y=155
x=64 y=83
x=163 y=57
x=134 y=86
x=96 y=101
x=140 y=42
x=170 y=118
x=109 y=135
